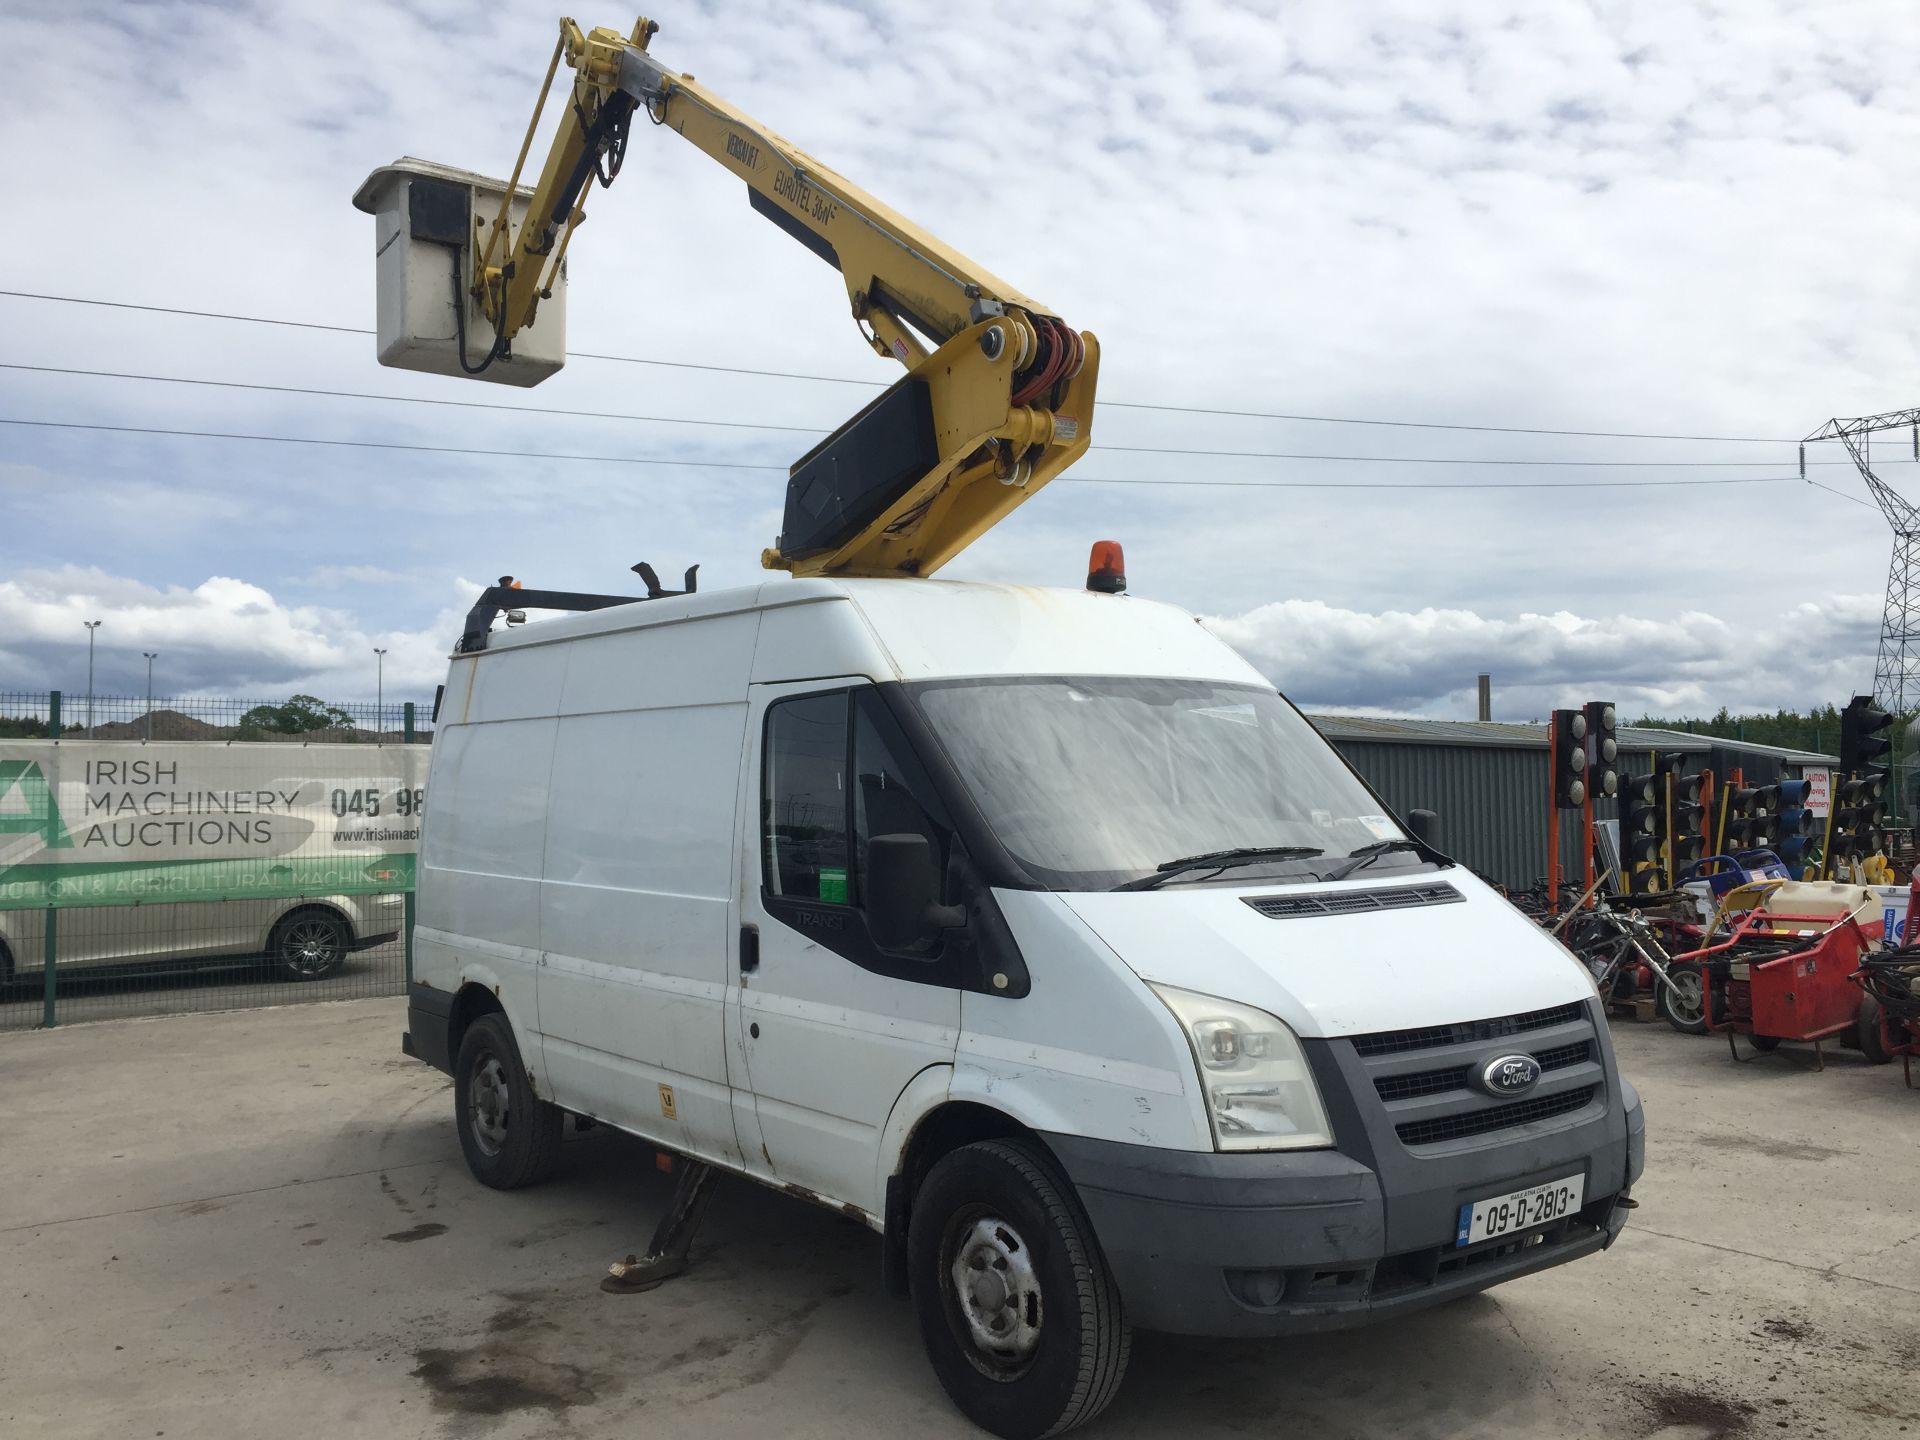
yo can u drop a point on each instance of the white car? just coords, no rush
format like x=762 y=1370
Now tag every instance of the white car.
x=305 y=938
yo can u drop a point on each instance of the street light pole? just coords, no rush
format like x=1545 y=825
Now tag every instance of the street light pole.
x=151 y=655
x=92 y=625
x=379 y=691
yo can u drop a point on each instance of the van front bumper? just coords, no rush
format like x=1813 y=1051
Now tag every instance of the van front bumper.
x=1276 y=1243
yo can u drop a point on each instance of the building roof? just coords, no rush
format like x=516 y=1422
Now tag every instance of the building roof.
x=1506 y=734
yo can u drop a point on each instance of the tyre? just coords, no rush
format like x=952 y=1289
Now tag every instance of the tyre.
x=1875 y=1043
x=1765 y=1043
x=1685 y=1012
x=309 y=944
x=509 y=1135
x=1019 y=1314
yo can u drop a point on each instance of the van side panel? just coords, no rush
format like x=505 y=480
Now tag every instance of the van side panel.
x=479 y=907
x=634 y=913
x=483 y=849
x=517 y=684
x=638 y=884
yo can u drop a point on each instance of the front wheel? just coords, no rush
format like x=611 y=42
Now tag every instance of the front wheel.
x=1685 y=1005
x=1019 y=1314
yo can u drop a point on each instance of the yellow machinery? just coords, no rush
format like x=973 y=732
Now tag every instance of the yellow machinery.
x=998 y=393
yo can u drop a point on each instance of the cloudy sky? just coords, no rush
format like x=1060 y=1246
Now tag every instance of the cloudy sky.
x=1679 y=218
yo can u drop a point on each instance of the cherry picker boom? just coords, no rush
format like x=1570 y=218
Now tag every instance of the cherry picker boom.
x=998 y=393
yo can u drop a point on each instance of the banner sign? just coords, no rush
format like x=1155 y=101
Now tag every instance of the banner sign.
x=104 y=822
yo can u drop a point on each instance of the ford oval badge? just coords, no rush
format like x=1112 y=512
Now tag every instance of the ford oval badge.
x=1509 y=1075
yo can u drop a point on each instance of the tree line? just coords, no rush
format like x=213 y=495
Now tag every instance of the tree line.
x=1817 y=729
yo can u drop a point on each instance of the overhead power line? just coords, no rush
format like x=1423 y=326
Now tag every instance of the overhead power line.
x=750 y=465
x=1843 y=494
x=497 y=406
x=874 y=384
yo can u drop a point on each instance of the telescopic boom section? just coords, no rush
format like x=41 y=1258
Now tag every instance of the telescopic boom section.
x=998 y=393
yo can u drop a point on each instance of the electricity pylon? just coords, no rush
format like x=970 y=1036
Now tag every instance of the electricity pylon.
x=1896 y=668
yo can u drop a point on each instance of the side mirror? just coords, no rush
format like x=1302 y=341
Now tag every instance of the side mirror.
x=902 y=883
x=1425 y=827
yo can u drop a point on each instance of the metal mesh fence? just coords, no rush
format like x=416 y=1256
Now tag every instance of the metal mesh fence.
x=120 y=961
x=141 y=879
x=299 y=719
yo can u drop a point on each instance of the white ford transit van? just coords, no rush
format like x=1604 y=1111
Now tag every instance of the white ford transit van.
x=1031 y=928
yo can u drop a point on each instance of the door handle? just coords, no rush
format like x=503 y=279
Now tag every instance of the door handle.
x=749 y=949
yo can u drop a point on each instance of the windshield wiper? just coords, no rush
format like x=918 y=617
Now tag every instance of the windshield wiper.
x=1367 y=854
x=1220 y=860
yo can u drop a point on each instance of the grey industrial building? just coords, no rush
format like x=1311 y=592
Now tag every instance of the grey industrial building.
x=1487 y=780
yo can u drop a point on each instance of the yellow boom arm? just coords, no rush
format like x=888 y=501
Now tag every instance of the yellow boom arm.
x=998 y=393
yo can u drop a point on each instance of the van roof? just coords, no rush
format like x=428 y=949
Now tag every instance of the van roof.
x=925 y=629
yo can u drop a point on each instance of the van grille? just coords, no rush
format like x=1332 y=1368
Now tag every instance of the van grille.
x=1500 y=1117
x=1391 y=1042
x=1353 y=902
x=1458 y=1077
x=1424 y=1079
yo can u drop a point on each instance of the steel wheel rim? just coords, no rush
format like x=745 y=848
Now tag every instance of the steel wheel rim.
x=1686 y=1006
x=310 y=947
x=993 y=1294
x=487 y=1103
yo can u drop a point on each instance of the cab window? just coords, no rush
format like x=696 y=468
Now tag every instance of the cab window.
x=804 y=810
x=816 y=825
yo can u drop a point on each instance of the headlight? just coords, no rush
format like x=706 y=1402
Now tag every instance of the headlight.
x=1260 y=1094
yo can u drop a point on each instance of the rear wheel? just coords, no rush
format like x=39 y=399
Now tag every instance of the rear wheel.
x=509 y=1135
x=309 y=944
x=1875 y=1043
x=1020 y=1316
x=1685 y=1010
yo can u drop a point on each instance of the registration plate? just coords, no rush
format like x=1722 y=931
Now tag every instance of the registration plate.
x=1520 y=1210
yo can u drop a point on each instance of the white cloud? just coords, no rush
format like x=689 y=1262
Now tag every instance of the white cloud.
x=221 y=636
x=1425 y=662
x=225 y=636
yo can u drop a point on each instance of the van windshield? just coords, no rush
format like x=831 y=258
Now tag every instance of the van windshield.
x=1090 y=781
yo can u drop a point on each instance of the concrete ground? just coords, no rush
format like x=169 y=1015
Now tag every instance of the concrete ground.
x=258 y=1224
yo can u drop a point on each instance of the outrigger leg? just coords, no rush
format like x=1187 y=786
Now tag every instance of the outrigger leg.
x=666 y=1255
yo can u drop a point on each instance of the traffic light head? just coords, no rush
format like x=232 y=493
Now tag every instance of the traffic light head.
x=1569 y=759
x=1684 y=816
x=1864 y=742
x=1794 y=826
x=1603 y=740
x=1642 y=802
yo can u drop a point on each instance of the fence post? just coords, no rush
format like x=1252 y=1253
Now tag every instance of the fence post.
x=53 y=714
x=406 y=734
x=49 y=985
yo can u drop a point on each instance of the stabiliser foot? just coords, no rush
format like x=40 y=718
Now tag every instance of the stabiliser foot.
x=666 y=1255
